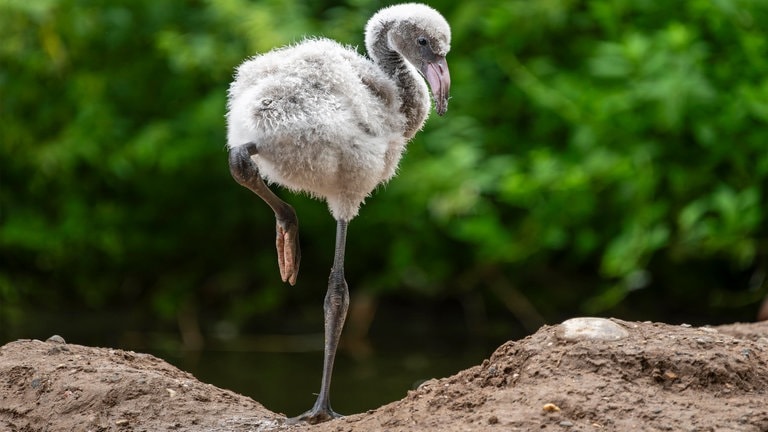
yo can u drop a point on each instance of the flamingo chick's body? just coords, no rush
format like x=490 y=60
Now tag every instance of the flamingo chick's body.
x=320 y=118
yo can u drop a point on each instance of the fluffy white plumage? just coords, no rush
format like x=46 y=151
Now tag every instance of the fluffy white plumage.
x=331 y=122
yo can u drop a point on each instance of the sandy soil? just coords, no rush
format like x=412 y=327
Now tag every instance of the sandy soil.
x=625 y=376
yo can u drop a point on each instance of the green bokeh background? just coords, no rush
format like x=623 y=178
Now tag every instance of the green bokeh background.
x=598 y=158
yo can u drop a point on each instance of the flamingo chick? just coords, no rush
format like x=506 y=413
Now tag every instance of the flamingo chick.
x=318 y=117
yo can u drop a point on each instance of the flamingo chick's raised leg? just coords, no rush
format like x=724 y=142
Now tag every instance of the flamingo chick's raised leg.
x=335 y=307
x=244 y=171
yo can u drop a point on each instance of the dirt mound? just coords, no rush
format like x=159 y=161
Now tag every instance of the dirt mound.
x=50 y=386
x=659 y=377
x=646 y=377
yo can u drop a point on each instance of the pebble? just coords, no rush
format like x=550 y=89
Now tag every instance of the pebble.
x=36 y=383
x=589 y=328
x=56 y=339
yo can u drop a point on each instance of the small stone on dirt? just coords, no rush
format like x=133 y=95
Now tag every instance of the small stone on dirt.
x=56 y=339
x=583 y=328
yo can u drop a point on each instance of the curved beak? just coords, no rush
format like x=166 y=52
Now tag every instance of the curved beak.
x=439 y=79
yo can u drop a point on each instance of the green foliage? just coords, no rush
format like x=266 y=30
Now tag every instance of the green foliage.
x=605 y=137
x=590 y=149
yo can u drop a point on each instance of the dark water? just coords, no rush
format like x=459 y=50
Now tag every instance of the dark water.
x=288 y=382
x=283 y=371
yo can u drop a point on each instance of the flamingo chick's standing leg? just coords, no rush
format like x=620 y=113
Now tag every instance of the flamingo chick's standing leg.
x=244 y=171
x=335 y=307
